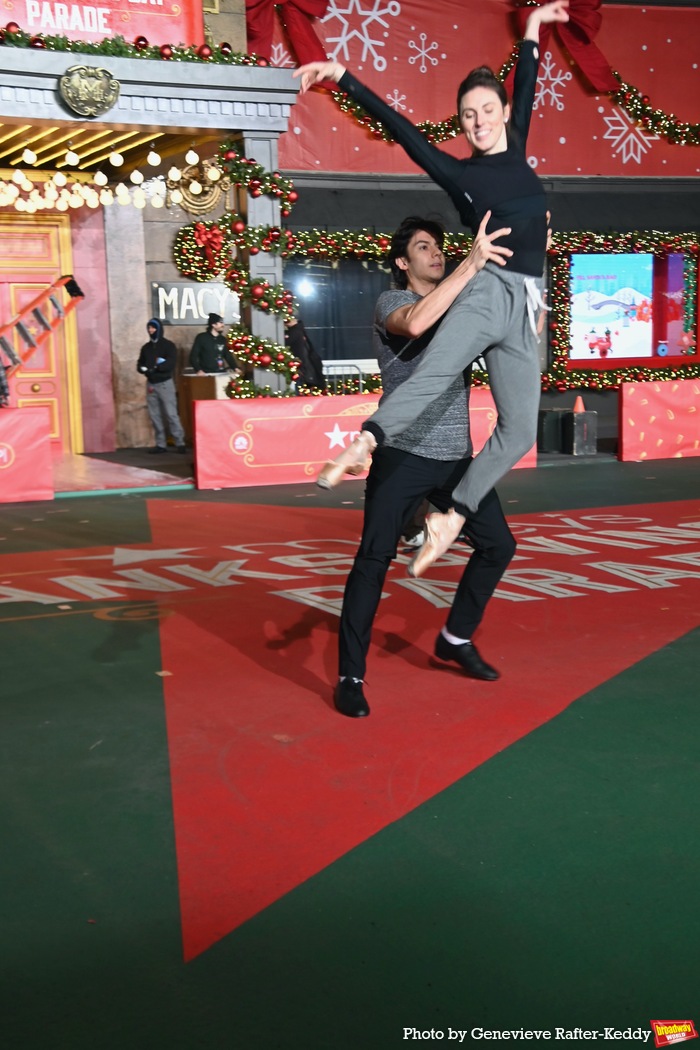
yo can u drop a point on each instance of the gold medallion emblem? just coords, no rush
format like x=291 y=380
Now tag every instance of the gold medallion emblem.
x=89 y=90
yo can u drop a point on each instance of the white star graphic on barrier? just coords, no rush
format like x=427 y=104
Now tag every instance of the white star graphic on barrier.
x=337 y=437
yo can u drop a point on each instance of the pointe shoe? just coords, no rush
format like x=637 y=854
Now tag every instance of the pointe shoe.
x=441 y=530
x=352 y=460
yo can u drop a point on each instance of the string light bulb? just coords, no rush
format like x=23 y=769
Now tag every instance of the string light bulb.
x=72 y=158
x=153 y=158
x=100 y=179
x=116 y=159
x=29 y=156
x=191 y=157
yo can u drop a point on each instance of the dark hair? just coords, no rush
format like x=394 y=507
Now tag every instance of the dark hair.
x=401 y=239
x=482 y=76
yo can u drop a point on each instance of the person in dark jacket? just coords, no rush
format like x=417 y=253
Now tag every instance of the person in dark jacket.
x=209 y=351
x=310 y=364
x=157 y=362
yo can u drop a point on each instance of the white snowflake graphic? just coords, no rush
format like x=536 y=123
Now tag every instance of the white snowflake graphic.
x=367 y=13
x=423 y=53
x=550 y=83
x=395 y=100
x=280 y=56
x=630 y=142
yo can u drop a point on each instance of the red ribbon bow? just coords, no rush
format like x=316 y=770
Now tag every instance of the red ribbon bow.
x=576 y=36
x=210 y=239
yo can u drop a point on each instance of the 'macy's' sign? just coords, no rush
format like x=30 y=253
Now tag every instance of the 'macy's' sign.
x=187 y=303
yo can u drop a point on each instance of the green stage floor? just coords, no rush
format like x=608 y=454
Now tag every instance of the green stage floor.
x=553 y=886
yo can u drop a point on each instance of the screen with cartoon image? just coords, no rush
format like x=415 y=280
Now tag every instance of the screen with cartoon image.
x=611 y=307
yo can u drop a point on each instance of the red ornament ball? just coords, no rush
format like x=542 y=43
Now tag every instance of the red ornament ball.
x=262 y=62
x=293 y=196
x=230 y=154
x=265 y=360
x=204 y=52
x=12 y=28
x=140 y=43
x=225 y=49
x=37 y=42
x=166 y=51
x=238 y=227
x=257 y=291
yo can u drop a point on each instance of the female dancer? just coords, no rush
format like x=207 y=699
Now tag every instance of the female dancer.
x=495 y=314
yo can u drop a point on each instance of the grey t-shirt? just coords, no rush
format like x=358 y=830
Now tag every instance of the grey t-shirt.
x=442 y=430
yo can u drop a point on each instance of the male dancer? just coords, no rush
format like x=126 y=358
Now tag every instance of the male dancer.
x=424 y=461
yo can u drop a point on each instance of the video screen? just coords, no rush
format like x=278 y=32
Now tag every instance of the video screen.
x=669 y=295
x=611 y=307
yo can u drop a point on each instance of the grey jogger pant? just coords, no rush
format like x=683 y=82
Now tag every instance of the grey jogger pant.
x=490 y=315
x=161 y=402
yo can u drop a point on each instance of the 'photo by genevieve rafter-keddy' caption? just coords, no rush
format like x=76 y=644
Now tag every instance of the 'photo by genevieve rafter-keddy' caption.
x=663 y=1033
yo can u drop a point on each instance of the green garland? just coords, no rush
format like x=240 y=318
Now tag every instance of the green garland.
x=367 y=244
x=118 y=47
x=242 y=171
x=262 y=353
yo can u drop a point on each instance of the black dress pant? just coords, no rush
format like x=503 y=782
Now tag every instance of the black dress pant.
x=397 y=484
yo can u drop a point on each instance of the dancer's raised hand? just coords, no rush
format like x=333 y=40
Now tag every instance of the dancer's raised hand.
x=558 y=11
x=316 y=72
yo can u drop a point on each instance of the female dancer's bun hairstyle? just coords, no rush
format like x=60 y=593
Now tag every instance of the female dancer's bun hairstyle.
x=482 y=76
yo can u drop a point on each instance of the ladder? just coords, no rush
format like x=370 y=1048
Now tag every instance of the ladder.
x=49 y=309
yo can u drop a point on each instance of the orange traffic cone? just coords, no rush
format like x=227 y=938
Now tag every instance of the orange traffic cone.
x=579 y=405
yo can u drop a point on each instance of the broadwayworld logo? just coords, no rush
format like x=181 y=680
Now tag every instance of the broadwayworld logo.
x=669 y=1033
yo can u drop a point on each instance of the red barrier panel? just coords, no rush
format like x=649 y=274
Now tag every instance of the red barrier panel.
x=660 y=420
x=26 y=469
x=276 y=442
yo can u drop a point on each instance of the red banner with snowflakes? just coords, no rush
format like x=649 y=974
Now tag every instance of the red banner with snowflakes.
x=414 y=54
x=159 y=21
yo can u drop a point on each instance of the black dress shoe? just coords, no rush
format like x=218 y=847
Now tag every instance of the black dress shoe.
x=182 y=449
x=349 y=699
x=157 y=450
x=467 y=656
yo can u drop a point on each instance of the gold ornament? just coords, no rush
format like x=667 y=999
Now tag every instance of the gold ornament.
x=90 y=91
